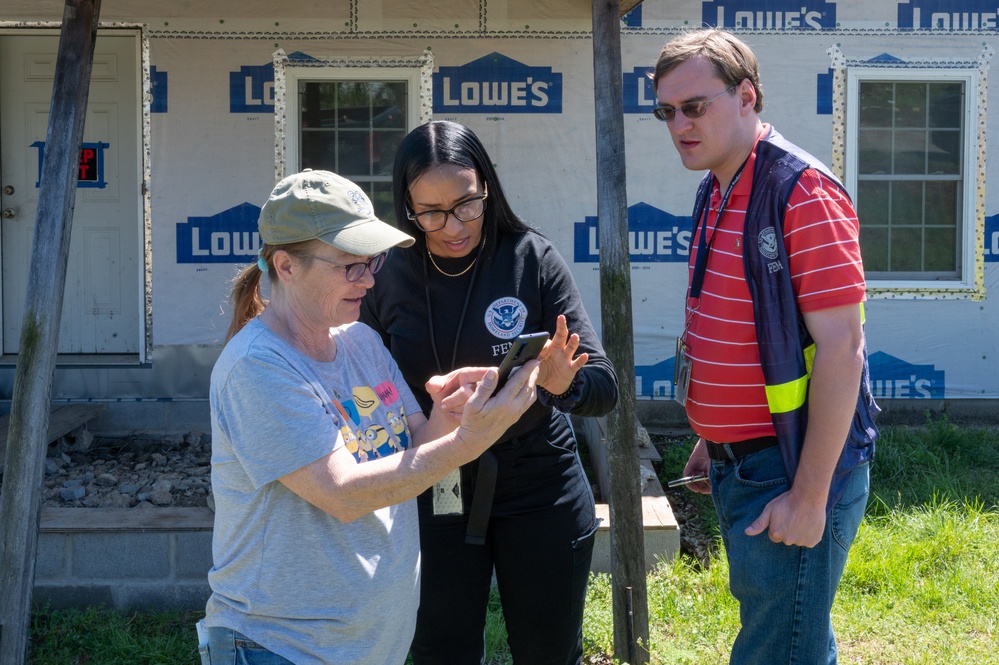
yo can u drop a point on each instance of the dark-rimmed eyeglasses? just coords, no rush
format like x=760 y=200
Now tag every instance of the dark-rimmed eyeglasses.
x=691 y=110
x=468 y=210
x=354 y=271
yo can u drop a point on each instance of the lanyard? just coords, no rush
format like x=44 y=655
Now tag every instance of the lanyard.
x=704 y=245
x=703 y=248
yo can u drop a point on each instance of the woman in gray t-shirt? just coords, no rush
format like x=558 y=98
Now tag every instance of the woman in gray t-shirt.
x=319 y=447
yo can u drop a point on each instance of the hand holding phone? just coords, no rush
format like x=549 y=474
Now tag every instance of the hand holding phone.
x=525 y=347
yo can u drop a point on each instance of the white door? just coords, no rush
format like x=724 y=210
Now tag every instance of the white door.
x=102 y=305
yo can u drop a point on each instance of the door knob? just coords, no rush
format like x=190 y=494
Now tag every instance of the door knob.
x=8 y=190
x=9 y=213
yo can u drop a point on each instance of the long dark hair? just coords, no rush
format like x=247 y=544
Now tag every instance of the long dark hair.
x=443 y=142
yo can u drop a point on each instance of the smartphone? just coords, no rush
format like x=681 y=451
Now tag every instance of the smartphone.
x=524 y=348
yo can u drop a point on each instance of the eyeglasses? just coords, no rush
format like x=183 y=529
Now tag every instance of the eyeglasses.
x=466 y=211
x=691 y=110
x=354 y=271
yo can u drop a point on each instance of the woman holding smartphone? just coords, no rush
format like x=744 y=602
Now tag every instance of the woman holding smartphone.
x=476 y=279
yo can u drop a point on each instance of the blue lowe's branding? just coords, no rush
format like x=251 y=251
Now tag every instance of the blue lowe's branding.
x=769 y=14
x=893 y=378
x=992 y=239
x=639 y=95
x=948 y=15
x=497 y=84
x=655 y=381
x=158 y=85
x=654 y=236
x=229 y=237
x=251 y=89
x=633 y=19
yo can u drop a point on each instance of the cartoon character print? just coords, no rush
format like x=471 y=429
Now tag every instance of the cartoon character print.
x=350 y=440
x=400 y=430
x=365 y=438
x=365 y=451
x=379 y=440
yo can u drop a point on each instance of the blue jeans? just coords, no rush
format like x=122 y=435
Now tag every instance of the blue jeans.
x=785 y=593
x=228 y=647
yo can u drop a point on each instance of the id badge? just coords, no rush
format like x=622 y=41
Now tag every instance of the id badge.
x=447 y=495
x=681 y=372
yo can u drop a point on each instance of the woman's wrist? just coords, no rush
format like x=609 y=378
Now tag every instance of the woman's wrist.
x=565 y=400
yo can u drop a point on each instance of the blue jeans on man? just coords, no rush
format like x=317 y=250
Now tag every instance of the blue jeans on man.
x=785 y=593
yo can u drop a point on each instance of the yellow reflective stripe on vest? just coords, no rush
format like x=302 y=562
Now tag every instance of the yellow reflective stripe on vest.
x=789 y=396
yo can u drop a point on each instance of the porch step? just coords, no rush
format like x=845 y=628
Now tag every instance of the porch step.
x=660 y=530
x=63 y=419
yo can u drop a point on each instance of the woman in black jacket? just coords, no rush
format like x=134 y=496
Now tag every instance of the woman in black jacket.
x=476 y=278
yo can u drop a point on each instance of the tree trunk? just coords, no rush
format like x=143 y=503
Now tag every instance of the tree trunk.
x=20 y=502
x=630 y=602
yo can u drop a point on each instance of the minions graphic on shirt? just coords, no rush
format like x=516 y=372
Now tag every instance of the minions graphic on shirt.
x=370 y=426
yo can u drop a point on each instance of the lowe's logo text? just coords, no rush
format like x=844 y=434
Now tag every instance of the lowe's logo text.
x=654 y=236
x=769 y=14
x=948 y=15
x=639 y=97
x=229 y=237
x=497 y=84
x=251 y=89
x=655 y=381
x=893 y=378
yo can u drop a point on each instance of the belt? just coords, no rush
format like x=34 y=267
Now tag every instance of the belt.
x=726 y=452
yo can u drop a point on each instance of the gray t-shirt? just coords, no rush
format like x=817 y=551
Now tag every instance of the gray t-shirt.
x=291 y=577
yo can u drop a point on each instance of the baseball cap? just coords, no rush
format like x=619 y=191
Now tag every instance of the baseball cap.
x=325 y=206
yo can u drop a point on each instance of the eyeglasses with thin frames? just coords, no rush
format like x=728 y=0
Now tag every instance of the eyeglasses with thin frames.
x=691 y=110
x=468 y=210
x=354 y=271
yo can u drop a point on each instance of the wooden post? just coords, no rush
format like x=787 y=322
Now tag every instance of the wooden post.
x=20 y=501
x=625 y=503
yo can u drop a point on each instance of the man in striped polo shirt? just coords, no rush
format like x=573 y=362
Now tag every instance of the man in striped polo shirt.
x=771 y=365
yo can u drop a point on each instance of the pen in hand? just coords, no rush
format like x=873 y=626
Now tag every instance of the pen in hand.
x=686 y=480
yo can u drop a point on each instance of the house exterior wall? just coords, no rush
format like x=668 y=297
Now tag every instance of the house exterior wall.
x=212 y=149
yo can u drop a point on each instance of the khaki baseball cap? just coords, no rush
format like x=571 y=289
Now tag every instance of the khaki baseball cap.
x=322 y=205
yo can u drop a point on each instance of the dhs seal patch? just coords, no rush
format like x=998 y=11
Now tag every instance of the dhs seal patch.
x=505 y=318
x=768 y=243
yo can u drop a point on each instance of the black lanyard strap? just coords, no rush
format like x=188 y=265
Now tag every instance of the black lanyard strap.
x=704 y=245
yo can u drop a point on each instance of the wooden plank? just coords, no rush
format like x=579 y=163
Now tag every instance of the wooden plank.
x=67 y=520
x=62 y=420
x=656 y=514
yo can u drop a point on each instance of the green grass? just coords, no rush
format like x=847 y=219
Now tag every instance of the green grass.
x=921 y=584
x=99 y=636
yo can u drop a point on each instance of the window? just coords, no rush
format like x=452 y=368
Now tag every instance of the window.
x=912 y=165
x=349 y=118
x=353 y=127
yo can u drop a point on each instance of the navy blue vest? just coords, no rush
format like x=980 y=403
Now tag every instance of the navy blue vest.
x=786 y=348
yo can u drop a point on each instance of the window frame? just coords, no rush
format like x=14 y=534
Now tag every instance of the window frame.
x=416 y=72
x=848 y=75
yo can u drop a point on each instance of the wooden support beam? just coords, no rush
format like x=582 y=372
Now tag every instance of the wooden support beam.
x=20 y=500
x=630 y=601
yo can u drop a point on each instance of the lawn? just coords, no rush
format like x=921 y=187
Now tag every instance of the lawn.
x=921 y=585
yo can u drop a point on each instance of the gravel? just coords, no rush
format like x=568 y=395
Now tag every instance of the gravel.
x=129 y=472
